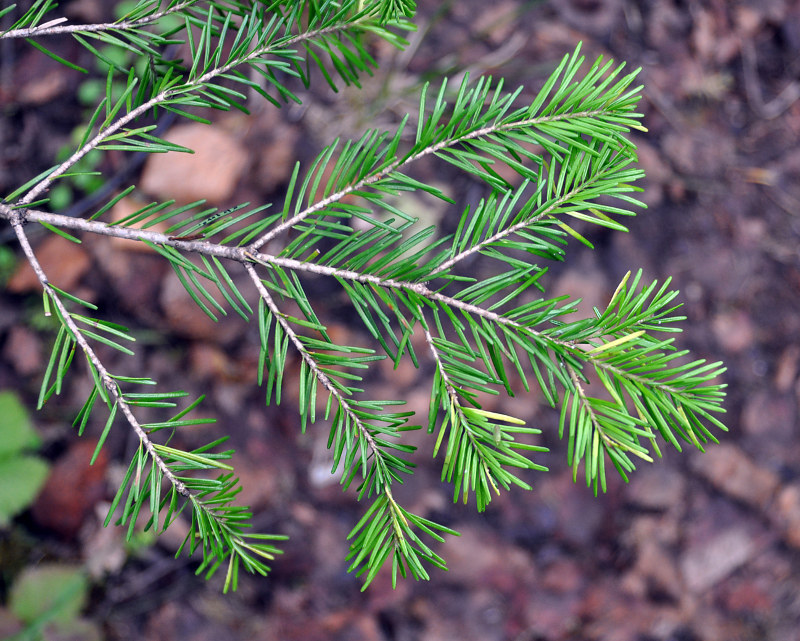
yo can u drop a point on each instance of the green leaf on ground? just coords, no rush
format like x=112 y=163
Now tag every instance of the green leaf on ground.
x=15 y=426
x=49 y=593
x=21 y=478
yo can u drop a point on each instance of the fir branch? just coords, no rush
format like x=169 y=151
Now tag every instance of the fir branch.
x=323 y=378
x=280 y=47
x=105 y=378
x=570 y=149
x=246 y=255
x=472 y=119
x=419 y=289
x=230 y=542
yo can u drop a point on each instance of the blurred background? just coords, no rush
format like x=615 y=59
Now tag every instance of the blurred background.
x=697 y=547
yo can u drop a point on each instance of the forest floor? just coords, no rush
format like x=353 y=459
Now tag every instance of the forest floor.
x=697 y=547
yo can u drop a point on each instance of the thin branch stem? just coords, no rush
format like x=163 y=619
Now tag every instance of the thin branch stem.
x=321 y=376
x=451 y=392
x=245 y=255
x=165 y=95
x=477 y=247
x=108 y=381
x=585 y=402
x=456 y=403
x=45 y=30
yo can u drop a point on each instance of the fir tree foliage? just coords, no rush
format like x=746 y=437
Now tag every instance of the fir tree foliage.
x=339 y=221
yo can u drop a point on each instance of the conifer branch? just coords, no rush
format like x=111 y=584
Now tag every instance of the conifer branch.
x=387 y=171
x=281 y=47
x=570 y=150
x=323 y=378
x=105 y=378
